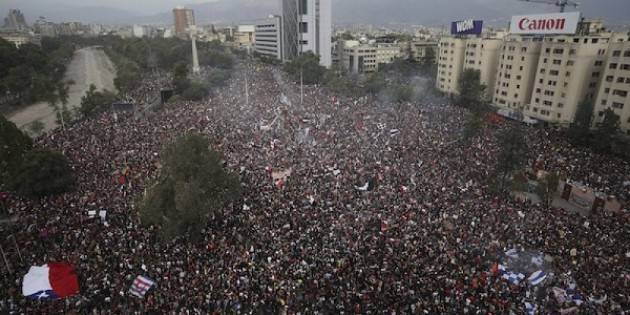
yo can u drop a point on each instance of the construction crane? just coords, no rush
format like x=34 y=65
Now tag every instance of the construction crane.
x=559 y=3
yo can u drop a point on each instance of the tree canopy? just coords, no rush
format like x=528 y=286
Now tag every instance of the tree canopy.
x=43 y=173
x=606 y=133
x=512 y=153
x=306 y=65
x=14 y=145
x=27 y=73
x=192 y=186
x=96 y=101
x=579 y=131
x=471 y=90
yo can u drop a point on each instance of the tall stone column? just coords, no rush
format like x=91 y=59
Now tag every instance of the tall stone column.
x=195 y=67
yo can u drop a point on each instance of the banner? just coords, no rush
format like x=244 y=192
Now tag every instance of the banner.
x=466 y=27
x=541 y=24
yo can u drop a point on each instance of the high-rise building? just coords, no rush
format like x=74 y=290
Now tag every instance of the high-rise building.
x=569 y=71
x=420 y=50
x=307 y=26
x=184 y=18
x=482 y=54
x=450 y=64
x=268 y=37
x=615 y=83
x=15 y=22
x=516 y=72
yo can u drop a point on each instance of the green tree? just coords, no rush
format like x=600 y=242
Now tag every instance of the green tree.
x=306 y=66
x=403 y=93
x=195 y=92
x=36 y=127
x=95 y=102
x=374 y=83
x=606 y=132
x=181 y=82
x=579 y=131
x=547 y=188
x=337 y=80
x=472 y=128
x=512 y=154
x=192 y=186
x=471 y=91
x=14 y=145
x=43 y=173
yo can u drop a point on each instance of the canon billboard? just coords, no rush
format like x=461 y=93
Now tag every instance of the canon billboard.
x=466 y=27
x=556 y=23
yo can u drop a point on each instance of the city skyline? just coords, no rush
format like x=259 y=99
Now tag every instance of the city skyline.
x=351 y=11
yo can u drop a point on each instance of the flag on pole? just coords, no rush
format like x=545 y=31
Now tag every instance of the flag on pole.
x=530 y=308
x=537 y=277
x=50 y=281
x=511 y=277
x=141 y=286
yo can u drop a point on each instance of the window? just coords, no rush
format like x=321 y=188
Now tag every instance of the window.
x=542 y=71
x=303 y=27
x=617 y=105
x=545 y=60
x=620 y=93
x=595 y=75
x=610 y=78
x=616 y=53
x=570 y=63
x=613 y=66
x=598 y=63
x=607 y=90
x=547 y=103
x=620 y=80
x=604 y=102
x=557 y=61
x=560 y=105
x=553 y=72
x=626 y=53
x=625 y=67
x=303 y=7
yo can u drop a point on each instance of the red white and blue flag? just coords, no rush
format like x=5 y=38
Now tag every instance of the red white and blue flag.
x=140 y=286
x=50 y=281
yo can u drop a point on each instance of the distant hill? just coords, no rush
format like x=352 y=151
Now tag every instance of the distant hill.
x=425 y=12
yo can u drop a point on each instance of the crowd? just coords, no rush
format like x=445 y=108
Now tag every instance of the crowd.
x=381 y=210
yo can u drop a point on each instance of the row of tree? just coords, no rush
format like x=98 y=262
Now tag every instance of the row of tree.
x=604 y=138
x=31 y=73
x=396 y=81
x=29 y=171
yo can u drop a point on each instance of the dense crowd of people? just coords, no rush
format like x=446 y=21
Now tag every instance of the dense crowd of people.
x=379 y=208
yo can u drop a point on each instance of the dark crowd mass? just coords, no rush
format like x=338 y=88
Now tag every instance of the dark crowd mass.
x=378 y=209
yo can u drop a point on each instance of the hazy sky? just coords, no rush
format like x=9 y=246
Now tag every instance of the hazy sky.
x=373 y=11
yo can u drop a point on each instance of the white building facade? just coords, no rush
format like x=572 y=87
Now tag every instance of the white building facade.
x=268 y=37
x=307 y=27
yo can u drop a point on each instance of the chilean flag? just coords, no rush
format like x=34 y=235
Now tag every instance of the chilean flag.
x=50 y=281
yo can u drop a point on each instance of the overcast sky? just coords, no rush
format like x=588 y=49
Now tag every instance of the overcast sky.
x=372 y=11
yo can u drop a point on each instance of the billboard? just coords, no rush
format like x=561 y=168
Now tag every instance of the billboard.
x=541 y=24
x=466 y=27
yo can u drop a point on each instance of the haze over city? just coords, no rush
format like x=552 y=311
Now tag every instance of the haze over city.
x=315 y=157
x=419 y=12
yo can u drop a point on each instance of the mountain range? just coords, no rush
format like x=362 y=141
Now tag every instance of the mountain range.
x=377 y=12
